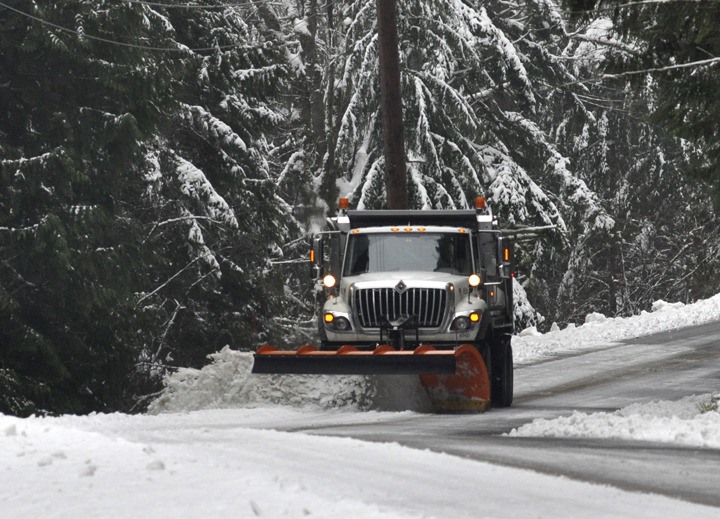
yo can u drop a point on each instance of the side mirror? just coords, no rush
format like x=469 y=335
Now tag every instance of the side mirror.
x=505 y=257
x=316 y=258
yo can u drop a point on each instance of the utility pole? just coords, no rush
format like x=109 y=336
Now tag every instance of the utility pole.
x=396 y=181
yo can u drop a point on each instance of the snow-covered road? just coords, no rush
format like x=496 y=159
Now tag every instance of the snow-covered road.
x=223 y=444
x=210 y=464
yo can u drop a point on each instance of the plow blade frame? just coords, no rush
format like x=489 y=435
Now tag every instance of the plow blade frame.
x=350 y=361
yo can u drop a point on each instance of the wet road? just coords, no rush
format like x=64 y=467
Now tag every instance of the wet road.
x=665 y=366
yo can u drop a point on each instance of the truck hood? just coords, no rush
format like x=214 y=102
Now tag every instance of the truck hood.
x=409 y=277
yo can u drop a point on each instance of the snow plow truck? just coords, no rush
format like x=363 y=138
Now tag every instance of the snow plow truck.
x=413 y=292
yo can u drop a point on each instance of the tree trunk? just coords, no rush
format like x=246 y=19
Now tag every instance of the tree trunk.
x=391 y=104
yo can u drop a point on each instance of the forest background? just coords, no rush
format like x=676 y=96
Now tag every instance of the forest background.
x=162 y=164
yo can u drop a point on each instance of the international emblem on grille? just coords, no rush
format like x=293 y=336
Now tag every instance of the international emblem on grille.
x=400 y=287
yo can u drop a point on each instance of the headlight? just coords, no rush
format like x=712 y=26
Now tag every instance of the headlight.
x=460 y=324
x=342 y=324
x=339 y=324
x=465 y=322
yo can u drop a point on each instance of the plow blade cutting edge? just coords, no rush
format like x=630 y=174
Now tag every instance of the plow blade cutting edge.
x=456 y=380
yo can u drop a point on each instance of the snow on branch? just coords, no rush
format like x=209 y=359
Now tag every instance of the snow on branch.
x=692 y=64
x=210 y=125
x=508 y=52
x=196 y=238
x=266 y=73
x=580 y=193
x=422 y=129
x=458 y=100
x=195 y=185
x=418 y=181
x=374 y=175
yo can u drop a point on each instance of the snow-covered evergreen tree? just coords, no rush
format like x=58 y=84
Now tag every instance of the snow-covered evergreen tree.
x=74 y=108
x=223 y=223
x=639 y=169
x=139 y=222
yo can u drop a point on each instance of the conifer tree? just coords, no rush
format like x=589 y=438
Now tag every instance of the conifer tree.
x=74 y=108
x=674 y=49
x=222 y=226
x=639 y=166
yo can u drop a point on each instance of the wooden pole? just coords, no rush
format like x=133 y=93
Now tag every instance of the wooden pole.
x=391 y=97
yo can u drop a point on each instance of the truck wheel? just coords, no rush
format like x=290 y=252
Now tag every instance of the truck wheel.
x=501 y=384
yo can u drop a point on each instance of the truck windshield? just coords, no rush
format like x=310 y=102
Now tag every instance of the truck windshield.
x=392 y=252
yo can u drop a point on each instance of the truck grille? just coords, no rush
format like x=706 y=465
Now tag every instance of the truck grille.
x=372 y=305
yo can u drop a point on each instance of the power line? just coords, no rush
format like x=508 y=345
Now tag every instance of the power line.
x=191 y=6
x=702 y=4
x=116 y=42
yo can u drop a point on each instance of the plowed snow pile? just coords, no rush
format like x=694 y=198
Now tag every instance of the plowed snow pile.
x=600 y=331
x=227 y=382
x=684 y=422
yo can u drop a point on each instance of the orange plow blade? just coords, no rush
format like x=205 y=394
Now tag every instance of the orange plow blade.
x=456 y=380
x=466 y=390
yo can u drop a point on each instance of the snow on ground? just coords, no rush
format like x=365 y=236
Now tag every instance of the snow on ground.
x=682 y=422
x=204 y=451
x=209 y=464
x=598 y=330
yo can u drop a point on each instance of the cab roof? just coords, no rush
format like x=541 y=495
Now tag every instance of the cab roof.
x=399 y=218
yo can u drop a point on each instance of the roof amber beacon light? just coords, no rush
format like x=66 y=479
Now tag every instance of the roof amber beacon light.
x=344 y=203
x=480 y=202
x=329 y=281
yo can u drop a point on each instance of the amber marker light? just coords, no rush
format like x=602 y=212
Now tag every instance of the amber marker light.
x=356 y=231
x=474 y=280
x=422 y=229
x=507 y=254
x=474 y=317
x=329 y=318
x=461 y=231
x=312 y=256
x=329 y=281
x=394 y=229
x=408 y=229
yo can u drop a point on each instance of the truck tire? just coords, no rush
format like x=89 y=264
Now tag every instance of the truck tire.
x=501 y=383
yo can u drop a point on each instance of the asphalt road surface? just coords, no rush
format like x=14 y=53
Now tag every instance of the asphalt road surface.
x=666 y=366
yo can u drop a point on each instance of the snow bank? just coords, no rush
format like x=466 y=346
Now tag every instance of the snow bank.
x=600 y=331
x=227 y=382
x=683 y=422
